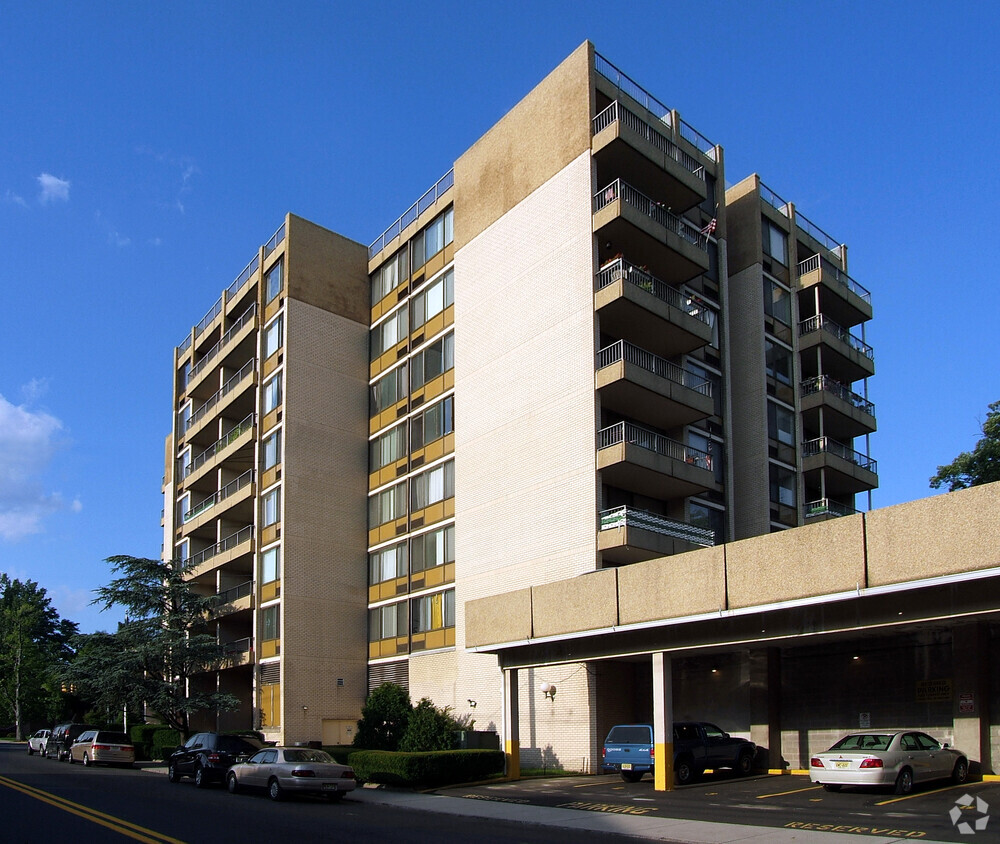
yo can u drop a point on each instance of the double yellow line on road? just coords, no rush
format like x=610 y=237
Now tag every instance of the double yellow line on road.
x=139 y=833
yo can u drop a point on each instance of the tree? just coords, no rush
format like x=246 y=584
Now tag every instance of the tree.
x=429 y=728
x=981 y=465
x=163 y=642
x=383 y=718
x=33 y=643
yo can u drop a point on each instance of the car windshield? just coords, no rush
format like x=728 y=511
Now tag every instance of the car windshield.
x=307 y=755
x=113 y=738
x=864 y=742
x=629 y=735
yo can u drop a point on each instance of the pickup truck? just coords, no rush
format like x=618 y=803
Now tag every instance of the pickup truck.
x=698 y=745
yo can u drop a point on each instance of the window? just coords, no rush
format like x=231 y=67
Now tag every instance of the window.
x=780 y=423
x=777 y=301
x=389 y=389
x=435 y=359
x=388 y=333
x=270 y=505
x=390 y=275
x=433 y=299
x=183 y=505
x=782 y=486
x=433 y=612
x=273 y=282
x=273 y=337
x=272 y=393
x=387 y=505
x=270 y=565
x=270 y=622
x=387 y=448
x=184 y=377
x=775 y=242
x=387 y=563
x=184 y=417
x=271 y=449
x=778 y=362
x=433 y=239
x=387 y=622
x=433 y=486
x=436 y=421
x=433 y=549
x=709 y=518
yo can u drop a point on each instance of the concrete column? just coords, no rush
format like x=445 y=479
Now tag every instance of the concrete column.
x=663 y=723
x=970 y=646
x=765 y=706
x=511 y=724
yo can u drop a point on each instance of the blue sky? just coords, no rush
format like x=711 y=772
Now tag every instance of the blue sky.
x=147 y=149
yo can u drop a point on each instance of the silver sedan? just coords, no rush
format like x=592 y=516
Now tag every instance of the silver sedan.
x=292 y=770
x=899 y=759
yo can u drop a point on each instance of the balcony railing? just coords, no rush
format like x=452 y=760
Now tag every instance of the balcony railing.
x=247 y=316
x=772 y=199
x=242 y=278
x=825 y=445
x=231 y=541
x=630 y=517
x=817 y=262
x=815 y=323
x=651 y=208
x=617 y=113
x=234 y=594
x=410 y=215
x=229 y=489
x=817 y=233
x=210 y=452
x=213 y=312
x=227 y=388
x=627 y=432
x=834 y=387
x=240 y=646
x=275 y=240
x=622 y=350
x=826 y=507
x=619 y=268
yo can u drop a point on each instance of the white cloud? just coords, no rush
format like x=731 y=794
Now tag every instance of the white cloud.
x=28 y=440
x=15 y=199
x=52 y=189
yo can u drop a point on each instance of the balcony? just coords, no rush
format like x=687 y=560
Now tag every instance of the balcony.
x=222 y=502
x=217 y=451
x=650 y=389
x=839 y=296
x=238 y=653
x=642 y=461
x=225 y=551
x=627 y=535
x=235 y=600
x=236 y=333
x=845 y=471
x=234 y=387
x=844 y=356
x=636 y=224
x=629 y=147
x=632 y=302
x=845 y=414
x=823 y=509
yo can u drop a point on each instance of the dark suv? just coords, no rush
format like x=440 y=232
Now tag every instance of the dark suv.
x=207 y=757
x=62 y=738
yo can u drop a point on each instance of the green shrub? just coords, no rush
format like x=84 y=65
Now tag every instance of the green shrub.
x=441 y=767
x=165 y=741
x=340 y=752
x=429 y=728
x=142 y=739
x=383 y=718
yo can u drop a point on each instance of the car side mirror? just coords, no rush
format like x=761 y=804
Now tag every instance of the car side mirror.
x=945 y=744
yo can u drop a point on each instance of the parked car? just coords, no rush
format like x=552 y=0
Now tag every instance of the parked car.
x=698 y=745
x=899 y=759
x=36 y=744
x=207 y=757
x=292 y=770
x=61 y=739
x=102 y=746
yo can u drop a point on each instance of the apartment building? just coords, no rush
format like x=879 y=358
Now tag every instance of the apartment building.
x=578 y=351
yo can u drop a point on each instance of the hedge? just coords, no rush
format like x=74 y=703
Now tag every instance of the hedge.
x=440 y=767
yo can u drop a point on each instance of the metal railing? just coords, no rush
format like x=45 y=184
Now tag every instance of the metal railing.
x=834 y=387
x=617 y=113
x=815 y=232
x=815 y=323
x=817 y=262
x=229 y=489
x=409 y=216
x=697 y=140
x=619 y=268
x=227 y=596
x=827 y=507
x=240 y=646
x=206 y=320
x=275 y=240
x=825 y=445
x=210 y=452
x=619 y=517
x=654 y=210
x=228 y=387
x=772 y=199
x=243 y=278
x=628 y=432
x=185 y=345
x=622 y=350
x=231 y=541
x=247 y=315
x=633 y=89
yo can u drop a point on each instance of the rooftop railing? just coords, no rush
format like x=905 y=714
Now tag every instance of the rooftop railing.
x=628 y=432
x=619 y=268
x=229 y=489
x=413 y=212
x=242 y=278
x=275 y=240
x=618 y=517
x=772 y=199
x=827 y=384
x=231 y=541
x=228 y=387
x=622 y=350
x=817 y=233
x=827 y=507
x=206 y=320
x=818 y=322
x=617 y=113
x=817 y=261
x=656 y=211
x=210 y=452
x=248 y=315
x=825 y=445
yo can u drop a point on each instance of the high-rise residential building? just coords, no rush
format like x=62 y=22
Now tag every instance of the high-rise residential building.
x=577 y=351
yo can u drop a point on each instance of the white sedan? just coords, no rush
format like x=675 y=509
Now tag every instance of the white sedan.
x=36 y=744
x=292 y=770
x=899 y=759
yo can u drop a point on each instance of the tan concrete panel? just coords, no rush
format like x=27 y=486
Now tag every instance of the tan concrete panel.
x=940 y=535
x=536 y=139
x=503 y=618
x=813 y=560
x=587 y=602
x=670 y=587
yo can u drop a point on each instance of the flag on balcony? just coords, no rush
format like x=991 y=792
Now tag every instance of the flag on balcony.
x=709 y=228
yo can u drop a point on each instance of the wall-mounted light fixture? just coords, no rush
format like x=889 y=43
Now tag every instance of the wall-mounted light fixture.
x=472 y=703
x=549 y=690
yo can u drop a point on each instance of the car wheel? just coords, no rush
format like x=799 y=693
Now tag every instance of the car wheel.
x=172 y=775
x=200 y=777
x=683 y=771
x=961 y=772
x=904 y=782
x=831 y=787
x=631 y=776
x=232 y=784
x=70 y=759
x=31 y=750
x=744 y=765
x=275 y=791
x=86 y=761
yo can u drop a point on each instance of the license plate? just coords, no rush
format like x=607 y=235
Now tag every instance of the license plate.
x=329 y=786
x=842 y=764
x=626 y=766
